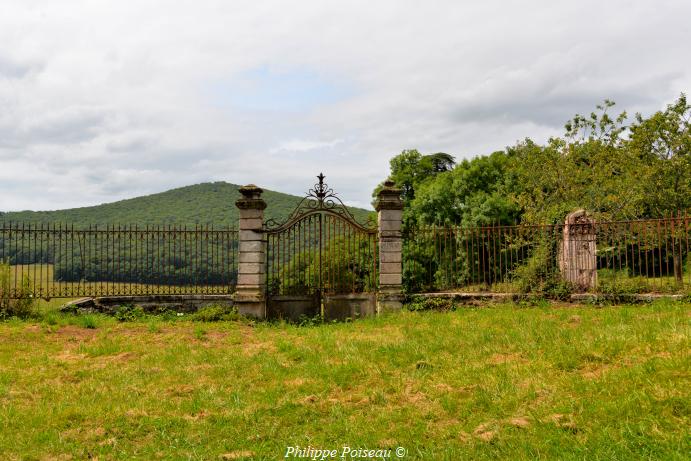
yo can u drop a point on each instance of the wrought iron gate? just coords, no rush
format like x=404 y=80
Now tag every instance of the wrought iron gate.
x=321 y=259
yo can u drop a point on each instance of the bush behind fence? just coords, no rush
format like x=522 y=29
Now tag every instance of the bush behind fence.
x=631 y=256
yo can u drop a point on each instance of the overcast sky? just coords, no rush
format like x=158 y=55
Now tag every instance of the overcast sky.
x=104 y=100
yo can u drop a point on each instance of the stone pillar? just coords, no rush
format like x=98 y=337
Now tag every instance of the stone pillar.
x=250 y=296
x=390 y=217
x=577 y=254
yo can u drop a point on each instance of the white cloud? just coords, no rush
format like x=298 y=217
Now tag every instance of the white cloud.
x=107 y=100
x=302 y=145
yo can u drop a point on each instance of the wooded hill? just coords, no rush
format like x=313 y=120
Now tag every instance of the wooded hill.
x=207 y=203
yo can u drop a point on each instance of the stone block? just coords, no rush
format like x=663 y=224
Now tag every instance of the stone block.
x=390 y=257
x=249 y=214
x=389 y=302
x=390 y=268
x=250 y=235
x=390 y=245
x=251 y=279
x=252 y=257
x=390 y=279
x=390 y=215
x=256 y=309
x=251 y=223
x=386 y=225
x=254 y=246
x=251 y=268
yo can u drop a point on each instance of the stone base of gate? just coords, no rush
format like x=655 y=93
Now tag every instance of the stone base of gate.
x=335 y=307
x=251 y=306
x=293 y=307
x=349 y=306
x=389 y=302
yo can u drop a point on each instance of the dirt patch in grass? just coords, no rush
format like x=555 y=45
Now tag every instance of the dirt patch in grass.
x=519 y=422
x=75 y=332
x=296 y=382
x=443 y=387
x=485 y=432
x=69 y=356
x=350 y=397
x=566 y=422
x=499 y=359
x=182 y=390
x=309 y=400
x=197 y=416
x=237 y=454
x=596 y=372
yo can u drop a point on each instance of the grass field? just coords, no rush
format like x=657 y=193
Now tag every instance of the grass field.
x=503 y=382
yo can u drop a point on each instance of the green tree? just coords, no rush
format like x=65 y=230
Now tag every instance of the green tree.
x=663 y=141
x=410 y=168
x=592 y=167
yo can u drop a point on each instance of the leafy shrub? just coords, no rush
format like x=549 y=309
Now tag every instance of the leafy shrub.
x=428 y=304
x=129 y=313
x=540 y=274
x=310 y=320
x=23 y=306
x=215 y=313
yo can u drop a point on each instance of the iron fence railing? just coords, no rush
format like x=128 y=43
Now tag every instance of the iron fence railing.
x=62 y=261
x=642 y=256
x=323 y=253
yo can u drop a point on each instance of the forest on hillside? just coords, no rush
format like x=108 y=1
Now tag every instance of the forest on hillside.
x=199 y=204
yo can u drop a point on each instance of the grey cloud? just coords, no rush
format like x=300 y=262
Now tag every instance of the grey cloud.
x=551 y=105
x=120 y=105
x=66 y=127
x=11 y=69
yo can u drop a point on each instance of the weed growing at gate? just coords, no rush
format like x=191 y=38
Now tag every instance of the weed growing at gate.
x=22 y=307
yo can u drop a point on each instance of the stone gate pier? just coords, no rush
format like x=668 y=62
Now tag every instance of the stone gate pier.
x=389 y=207
x=250 y=296
x=578 y=251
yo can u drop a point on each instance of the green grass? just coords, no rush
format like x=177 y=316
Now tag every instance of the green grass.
x=503 y=382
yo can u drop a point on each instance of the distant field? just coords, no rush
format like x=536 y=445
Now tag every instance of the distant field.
x=41 y=283
x=505 y=382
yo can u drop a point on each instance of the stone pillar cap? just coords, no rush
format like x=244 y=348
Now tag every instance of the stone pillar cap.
x=579 y=216
x=250 y=189
x=389 y=197
x=251 y=198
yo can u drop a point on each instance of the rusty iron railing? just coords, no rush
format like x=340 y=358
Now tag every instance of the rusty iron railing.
x=639 y=256
x=63 y=261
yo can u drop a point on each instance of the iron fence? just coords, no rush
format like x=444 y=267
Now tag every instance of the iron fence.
x=641 y=256
x=321 y=253
x=62 y=261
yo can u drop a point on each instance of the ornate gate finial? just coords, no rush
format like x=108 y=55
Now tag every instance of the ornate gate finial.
x=321 y=190
x=320 y=198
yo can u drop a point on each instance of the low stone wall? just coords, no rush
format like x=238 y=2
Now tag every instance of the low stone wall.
x=177 y=303
x=475 y=297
